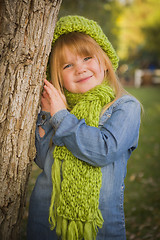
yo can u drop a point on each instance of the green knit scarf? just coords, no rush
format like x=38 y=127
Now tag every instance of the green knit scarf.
x=76 y=185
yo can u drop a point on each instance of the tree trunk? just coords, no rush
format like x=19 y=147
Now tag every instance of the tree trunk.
x=26 y=32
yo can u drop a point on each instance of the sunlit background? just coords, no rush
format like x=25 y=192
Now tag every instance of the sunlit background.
x=133 y=27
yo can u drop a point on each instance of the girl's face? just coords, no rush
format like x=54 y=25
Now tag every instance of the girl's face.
x=81 y=73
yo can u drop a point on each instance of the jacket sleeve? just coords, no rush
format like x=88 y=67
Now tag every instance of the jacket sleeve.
x=44 y=143
x=101 y=146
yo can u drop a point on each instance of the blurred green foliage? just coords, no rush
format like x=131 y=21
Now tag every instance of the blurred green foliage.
x=140 y=33
x=132 y=26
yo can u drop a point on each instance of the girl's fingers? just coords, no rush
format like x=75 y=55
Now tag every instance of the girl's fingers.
x=45 y=104
x=48 y=84
x=48 y=91
x=55 y=98
x=45 y=94
x=52 y=92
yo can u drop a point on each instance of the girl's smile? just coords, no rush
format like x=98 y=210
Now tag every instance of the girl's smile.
x=81 y=73
x=85 y=79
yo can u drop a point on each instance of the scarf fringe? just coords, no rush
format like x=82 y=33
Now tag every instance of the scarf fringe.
x=56 y=180
x=78 y=230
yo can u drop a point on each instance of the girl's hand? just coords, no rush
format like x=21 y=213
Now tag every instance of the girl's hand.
x=52 y=100
x=45 y=104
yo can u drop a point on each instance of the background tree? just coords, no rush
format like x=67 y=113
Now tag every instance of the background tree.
x=26 y=31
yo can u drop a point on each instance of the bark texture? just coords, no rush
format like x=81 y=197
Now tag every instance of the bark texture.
x=26 y=32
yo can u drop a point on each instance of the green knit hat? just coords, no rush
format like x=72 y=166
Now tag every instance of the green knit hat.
x=70 y=23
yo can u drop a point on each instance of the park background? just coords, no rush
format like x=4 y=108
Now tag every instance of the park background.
x=133 y=27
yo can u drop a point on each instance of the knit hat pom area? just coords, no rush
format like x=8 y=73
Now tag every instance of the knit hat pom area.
x=81 y=24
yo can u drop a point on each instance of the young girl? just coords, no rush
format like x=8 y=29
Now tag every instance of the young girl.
x=86 y=131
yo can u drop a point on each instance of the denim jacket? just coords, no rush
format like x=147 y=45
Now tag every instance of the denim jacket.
x=109 y=146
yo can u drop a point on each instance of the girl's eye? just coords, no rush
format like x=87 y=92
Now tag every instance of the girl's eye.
x=87 y=58
x=67 y=66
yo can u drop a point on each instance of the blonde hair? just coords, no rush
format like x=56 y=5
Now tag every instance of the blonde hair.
x=83 y=45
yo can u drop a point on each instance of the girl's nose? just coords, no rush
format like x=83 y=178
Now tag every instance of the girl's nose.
x=80 y=68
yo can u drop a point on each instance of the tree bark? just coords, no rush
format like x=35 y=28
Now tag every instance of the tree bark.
x=26 y=32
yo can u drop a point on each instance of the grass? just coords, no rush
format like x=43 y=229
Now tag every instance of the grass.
x=142 y=196
x=142 y=193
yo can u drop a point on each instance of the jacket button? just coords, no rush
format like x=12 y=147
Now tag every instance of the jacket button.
x=43 y=117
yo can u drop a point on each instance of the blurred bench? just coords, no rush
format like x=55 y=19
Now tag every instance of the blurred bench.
x=146 y=77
